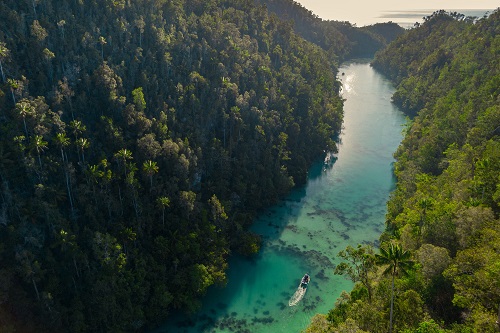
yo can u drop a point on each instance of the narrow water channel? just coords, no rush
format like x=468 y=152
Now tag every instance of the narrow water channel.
x=343 y=203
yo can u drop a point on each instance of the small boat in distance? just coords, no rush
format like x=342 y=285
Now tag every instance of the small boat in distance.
x=305 y=281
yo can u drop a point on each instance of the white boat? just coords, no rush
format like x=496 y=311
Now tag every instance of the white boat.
x=301 y=291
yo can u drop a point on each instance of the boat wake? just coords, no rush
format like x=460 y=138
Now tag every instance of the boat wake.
x=297 y=296
x=300 y=292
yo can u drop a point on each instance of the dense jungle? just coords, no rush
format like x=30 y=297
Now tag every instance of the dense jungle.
x=139 y=138
x=438 y=266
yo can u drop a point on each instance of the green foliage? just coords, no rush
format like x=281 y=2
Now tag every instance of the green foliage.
x=475 y=271
x=398 y=262
x=139 y=101
x=365 y=307
x=396 y=259
x=427 y=327
x=445 y=208
x=409 y=309
x=319 y=324
x=358 y=265
x=434 y=260
x=445 y=205
x=339 y=313
x=249 y=244
x=138 y=139
x=342 y=40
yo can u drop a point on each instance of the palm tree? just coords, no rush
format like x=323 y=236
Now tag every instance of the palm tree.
x=150 y=168
x=123 y=155
x=61 y=25
x=24 y=109
x=163 y=202
x=94 y=176
x=102 y=41
x=49 y=55
x=77 y=127
x=62 y=141
x=40 y=145
x=13 y=85
x=398 y=261
x=140 y=24
x=82 y=144
x=4 y=52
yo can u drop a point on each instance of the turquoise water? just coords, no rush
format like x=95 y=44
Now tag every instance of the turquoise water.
x=343 y=203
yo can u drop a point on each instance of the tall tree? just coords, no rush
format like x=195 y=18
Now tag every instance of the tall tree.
x=140 y=24
x=82 y=144
x=77 y=128
x=39 y=144
x=62 y=141
x=150 y=168
x=398 y=262
x=424 y=204
x=24 y=108
x=4 y=52
x=103 y=42
x=163 y=202
x=122 y=156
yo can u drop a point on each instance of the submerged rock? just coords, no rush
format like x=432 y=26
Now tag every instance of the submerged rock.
x=281 y=305
x=321 y=275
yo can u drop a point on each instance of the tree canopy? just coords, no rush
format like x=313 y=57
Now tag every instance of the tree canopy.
x=446 y=205
x=138 y=139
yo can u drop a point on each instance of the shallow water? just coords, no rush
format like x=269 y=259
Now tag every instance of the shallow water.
x=343 y=203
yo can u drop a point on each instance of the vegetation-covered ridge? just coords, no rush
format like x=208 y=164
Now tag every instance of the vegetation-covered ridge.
x=442 y=225
x=137 y=140
x=340 y=39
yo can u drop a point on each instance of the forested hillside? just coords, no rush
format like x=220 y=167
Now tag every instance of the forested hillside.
x=342 y=40
x=441 y=247
x=137 y=141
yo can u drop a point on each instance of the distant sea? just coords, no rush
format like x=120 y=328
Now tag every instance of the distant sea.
x=408 y=18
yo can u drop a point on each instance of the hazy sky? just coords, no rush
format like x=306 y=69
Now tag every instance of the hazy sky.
x=364 y=12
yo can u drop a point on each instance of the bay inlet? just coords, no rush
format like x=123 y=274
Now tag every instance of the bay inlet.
x=343 y=203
